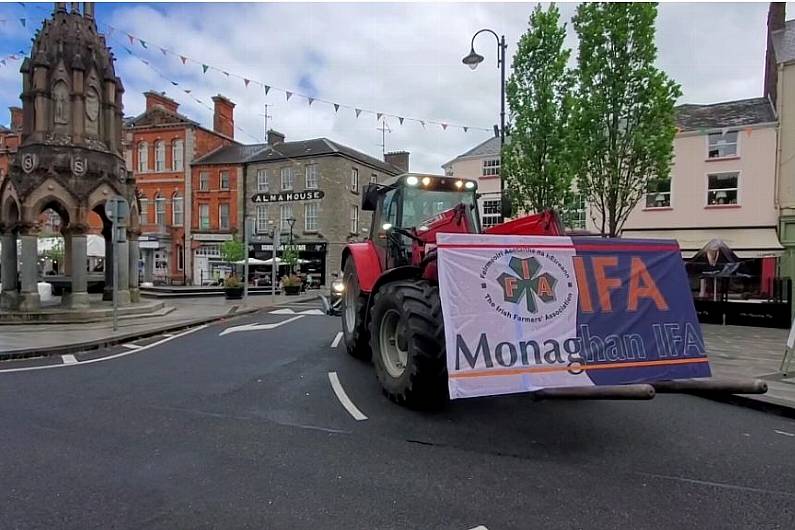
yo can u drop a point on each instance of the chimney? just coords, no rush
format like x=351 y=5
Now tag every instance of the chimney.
x=156 y=100
x=775 y=21
x=224 y=116
x=275 y=137
x=399 y=159
x=16 y=119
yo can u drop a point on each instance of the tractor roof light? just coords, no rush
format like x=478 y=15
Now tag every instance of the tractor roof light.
x=459 y=184
x=469 y=185
x=412 y=180
x=426 y=181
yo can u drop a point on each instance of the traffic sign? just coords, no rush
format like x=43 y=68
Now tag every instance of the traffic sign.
x=117 y=209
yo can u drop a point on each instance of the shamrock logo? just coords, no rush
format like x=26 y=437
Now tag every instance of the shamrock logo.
x=527 y=283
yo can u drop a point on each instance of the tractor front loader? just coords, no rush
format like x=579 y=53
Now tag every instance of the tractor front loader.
x=391 y=307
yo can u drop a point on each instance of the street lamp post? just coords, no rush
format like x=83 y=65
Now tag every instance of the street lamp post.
x=472 y=60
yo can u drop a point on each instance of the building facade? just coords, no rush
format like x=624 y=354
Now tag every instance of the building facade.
x=161 y=145
x=310 y=192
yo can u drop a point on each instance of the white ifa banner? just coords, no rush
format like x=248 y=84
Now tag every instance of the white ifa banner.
x=504 y=298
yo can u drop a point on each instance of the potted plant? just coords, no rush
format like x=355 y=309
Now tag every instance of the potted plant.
x=292 y=285
x=233 y=288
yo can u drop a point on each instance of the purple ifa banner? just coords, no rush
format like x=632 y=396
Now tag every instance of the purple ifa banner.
x=523 y=313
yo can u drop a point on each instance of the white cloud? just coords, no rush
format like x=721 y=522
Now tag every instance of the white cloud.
x=403 y=59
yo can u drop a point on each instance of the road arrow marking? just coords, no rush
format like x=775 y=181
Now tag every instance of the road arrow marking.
x=131 y=346
x=258 y=327
x=312 y=312
x=286 y=311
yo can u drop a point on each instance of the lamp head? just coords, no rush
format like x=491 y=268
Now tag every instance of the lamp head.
x=473 y=59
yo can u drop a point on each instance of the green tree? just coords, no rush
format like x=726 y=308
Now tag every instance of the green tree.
x=624 y=121
x=290 y=257
x=536 y=160
x=232 y=251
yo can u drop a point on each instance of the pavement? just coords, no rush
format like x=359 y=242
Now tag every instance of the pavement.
x=263 y=421
x=31 y=339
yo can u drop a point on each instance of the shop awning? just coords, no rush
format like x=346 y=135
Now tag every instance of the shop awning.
x=746 y=243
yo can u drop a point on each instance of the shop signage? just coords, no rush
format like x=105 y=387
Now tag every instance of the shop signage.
x=311 y=247
x=212 y=237
x=288 y=196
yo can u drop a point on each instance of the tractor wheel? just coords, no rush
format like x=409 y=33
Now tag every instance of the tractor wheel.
x=407 y=340
x=353 y=307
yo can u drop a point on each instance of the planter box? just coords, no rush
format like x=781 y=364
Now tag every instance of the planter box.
x=233 y=293
x=292 y=290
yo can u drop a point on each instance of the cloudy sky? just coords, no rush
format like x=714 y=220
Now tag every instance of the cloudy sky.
x=401 y=59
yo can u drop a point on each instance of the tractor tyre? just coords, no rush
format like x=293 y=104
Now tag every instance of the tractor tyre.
x=354 y=304
x=407 y=341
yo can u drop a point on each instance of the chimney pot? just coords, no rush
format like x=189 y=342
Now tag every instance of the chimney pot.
x=224 y=116
x=275 y=137
x=160 y=100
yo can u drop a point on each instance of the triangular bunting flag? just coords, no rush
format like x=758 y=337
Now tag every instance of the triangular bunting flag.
x=175 y=83
x=267 y=89
x=145 y=62
x=358 y=111
x=288 y=93
x=204 y=68
x=163 y=50
x=226 y=74
x=132 y=39
x=128 y=50
x=246 y=81
x=143 y=43
x=466 y=129
x=22 y=21
x=3 y=61
x=400 y=119
x=444 y=126
x=187 y=91
x=378 y=116
x=183 y=59
x=336 y=107
x=310 y=100
x=422 y=123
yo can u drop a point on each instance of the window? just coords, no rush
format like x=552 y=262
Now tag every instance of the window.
x=374 y=178
x=160 y=210
x=204 y=181
x=143 y=157
x=177 y=155
x=223 y=216
x=287 y=178
x=574 y=214
x=262 y=218
x=204 y=217
x=160 y=156
x=354 y=179
x=491 y=213
x=285 y=214
x=310 y=181
x=180 y=258
x=722 y=144
x=177 y=210
x=658 y=194
x=310 y=217
x=491 y=168
x=262 y=181
x=223 y=180
x=355 y=220
x=722 y=188
x=143 y=215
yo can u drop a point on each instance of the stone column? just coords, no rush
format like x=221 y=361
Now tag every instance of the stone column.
x=78 y=298
x=9 y=297
x=29 y=294
x=149 y=264
x=65 y=267
x=134 y=251
x=124 y=273
x=107 y=292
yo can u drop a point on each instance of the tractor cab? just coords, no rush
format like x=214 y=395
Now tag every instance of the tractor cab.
x=410 y=209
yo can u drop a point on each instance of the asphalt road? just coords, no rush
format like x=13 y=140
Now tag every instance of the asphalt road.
x=245 y=430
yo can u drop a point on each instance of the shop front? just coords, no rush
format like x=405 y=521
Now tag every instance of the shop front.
x=311 y=260
x=208 y=265
x=155 y=257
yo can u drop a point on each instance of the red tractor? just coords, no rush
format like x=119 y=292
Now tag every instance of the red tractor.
x=391 y=312
x=391 y=309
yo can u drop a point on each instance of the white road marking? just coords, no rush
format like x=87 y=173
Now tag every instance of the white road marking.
x=132 y=346
x=285 y=311
x=336 y=340
x=68 y=359
x=108 y=358
x=312 y=312
x=258 y=327
x=344 y=399
x=785 y=433
x=481 y=527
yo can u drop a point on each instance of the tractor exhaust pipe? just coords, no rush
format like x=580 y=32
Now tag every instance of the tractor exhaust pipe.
x=711 y=386
x=597 y=392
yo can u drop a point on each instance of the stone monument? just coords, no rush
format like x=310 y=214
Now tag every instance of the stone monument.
x=70 y=159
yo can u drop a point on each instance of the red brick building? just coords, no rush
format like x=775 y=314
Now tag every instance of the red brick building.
x=161 y=145
x=9 y=140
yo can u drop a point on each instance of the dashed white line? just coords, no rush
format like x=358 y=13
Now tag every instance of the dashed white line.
x=336 y=340
x=132 y=346
x=68 y=359
x=101 y=359
x=344 y=399
x=784 y=433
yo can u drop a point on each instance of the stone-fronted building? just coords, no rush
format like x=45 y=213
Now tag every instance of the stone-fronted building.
x=318 y=184
x=161 y=145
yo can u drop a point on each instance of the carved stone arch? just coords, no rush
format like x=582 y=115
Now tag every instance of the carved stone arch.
x=93 y=105
x=99 y=196
x=10 y=215
x=50 y=192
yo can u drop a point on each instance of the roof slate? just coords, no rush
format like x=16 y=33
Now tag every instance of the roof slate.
x=739 y=113
x=317 y=147
x=229 y=154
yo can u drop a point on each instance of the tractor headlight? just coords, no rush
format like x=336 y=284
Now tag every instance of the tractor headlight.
x=337 y=286
x=459 y=184
x=412 y=180
x=469 y=185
